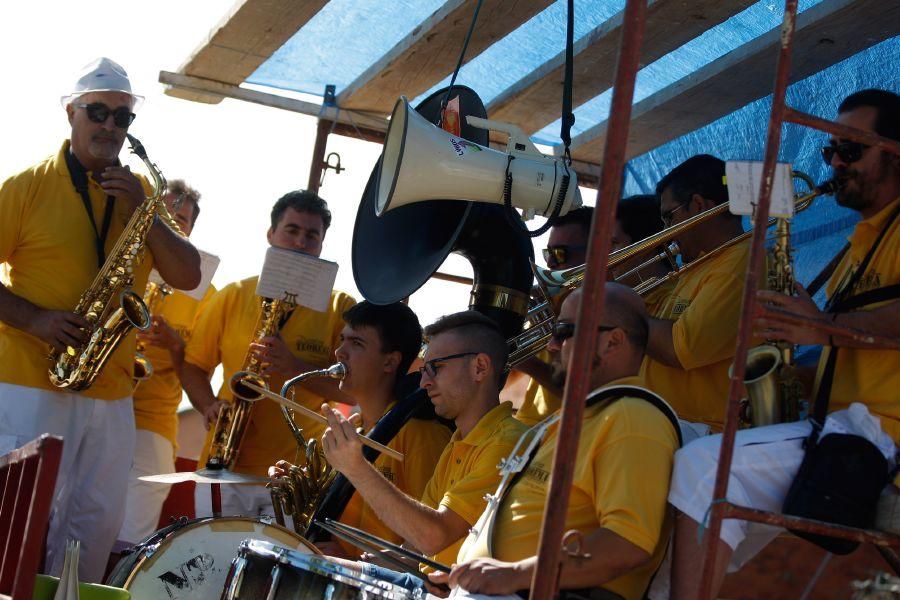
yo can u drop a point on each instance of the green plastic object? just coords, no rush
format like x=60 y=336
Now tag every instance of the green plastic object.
x=45 y=588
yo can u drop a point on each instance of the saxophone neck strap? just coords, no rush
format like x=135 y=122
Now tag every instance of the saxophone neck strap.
x=78 y=174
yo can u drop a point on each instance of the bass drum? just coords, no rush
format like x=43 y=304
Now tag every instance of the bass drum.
x=191 y=559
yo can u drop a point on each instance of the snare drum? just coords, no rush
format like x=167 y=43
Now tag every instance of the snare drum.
x=191 y=559
x=263 y=570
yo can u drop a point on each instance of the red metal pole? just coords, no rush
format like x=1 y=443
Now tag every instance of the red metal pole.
x=318 y=156
x=842 y=131
x=748 y=303
x=544 y=582
x=215 y=494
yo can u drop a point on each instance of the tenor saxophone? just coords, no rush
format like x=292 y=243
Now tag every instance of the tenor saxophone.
x=109 y=305
x=231 y=423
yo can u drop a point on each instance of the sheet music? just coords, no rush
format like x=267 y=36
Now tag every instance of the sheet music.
x=743 y=179
x=209 y=263
x=303 y=279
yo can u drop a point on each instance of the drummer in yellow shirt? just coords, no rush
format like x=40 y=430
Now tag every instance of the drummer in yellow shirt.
x=156 y=399
x=461 y=374
x=622 y=470
x=693 y=331
x=223 y=335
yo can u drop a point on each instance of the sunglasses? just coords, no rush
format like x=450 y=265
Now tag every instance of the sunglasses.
x=848 y=152
x=563 y=330
x=431 y=367
x=99 y=112
x=560 y=254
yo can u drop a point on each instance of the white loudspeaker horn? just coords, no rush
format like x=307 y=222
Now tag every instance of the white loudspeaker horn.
x=423 y=162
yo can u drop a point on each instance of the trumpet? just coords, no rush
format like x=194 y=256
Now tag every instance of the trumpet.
x=659 y=247
x=299 y=492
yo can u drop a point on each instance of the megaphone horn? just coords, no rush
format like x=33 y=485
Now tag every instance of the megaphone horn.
x=423 y=162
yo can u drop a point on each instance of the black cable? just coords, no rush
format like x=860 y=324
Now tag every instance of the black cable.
x=459 y=63
x=568 y=117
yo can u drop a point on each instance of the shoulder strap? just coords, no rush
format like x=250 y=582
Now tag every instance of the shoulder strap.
x=825 y=274
x=620 y=391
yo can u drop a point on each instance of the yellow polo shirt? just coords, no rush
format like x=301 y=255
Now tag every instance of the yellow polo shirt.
x=49 y=244
x=539 y=402
x=222 y=335
x=621 y=481
x=421 y=442
x=870 y=376
x=156 y=399
x=705 y=305
x=468 y=470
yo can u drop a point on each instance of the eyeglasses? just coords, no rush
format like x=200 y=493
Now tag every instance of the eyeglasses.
x=848 y=152
x=99 y=112
x=431 y=367
x=563 y=330
x=560 y=254
x=667 y=216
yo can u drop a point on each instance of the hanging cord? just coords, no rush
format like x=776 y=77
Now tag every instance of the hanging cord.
x=459 y=64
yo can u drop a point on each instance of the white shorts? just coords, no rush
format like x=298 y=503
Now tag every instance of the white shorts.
x=153 y=454
x=98 y=445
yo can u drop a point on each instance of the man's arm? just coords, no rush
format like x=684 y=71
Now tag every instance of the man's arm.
x=540 y=372
x=428 y=530
x=59 y=328
x=660 y=345
x=195 y=382
x=610 y=557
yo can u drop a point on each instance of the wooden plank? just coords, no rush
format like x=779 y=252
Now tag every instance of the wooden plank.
x=430 y=52
x=244 y=39
x=197 y=85
x=826 y=34
x=536 y=99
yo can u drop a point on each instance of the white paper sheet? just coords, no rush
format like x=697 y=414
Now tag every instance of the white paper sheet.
x=744 y=178
x=303 y=279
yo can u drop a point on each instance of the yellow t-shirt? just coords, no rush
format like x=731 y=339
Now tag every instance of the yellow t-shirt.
x=421 y=443
x=156 y=399
x=870 y=376
x=49 y=243
x=705 y=305
x=468 y=470
x=539 y=402
x=222 y=335
x=621 y=481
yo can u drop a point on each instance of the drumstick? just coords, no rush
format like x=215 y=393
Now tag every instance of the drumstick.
x=370 y=541
x=317 y=417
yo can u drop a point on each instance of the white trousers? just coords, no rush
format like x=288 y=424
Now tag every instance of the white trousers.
x=98 y=444
x=153 y=454
x=237 y=500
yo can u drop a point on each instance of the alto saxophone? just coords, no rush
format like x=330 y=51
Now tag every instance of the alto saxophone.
x=231 y=423
x=109 y=305
x=299 y=492
x=153 y=297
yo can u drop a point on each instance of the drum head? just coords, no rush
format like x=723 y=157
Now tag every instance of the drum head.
x=192 y=562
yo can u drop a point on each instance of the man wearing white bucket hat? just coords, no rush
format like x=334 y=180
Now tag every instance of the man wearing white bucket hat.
x=59 y=219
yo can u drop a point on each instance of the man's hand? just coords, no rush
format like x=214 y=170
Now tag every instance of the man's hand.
x=490 y=576
x=343 y=449
x=211 y=413
x=162 y=335
x=59 y=328
x=280 y=469
x=120 y=182
x=802 y=304
x=276 y=358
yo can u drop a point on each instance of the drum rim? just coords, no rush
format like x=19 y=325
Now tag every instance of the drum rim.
x=193 y=524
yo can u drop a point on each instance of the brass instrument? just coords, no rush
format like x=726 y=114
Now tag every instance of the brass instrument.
x=109 y=305
x=231 y=423
x=774 y=391
x=299 y=493
x=661 y=247
x=153 y=297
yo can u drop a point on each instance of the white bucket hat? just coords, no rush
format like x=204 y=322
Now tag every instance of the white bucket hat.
x=102 y=75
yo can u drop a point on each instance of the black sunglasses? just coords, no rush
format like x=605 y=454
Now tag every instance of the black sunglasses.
x=848 y=152
x=560 y=254
x=563 y=330
x=431 y=367
x=99 y=112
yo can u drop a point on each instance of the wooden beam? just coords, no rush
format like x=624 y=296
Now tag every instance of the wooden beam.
x=188 y=84
x=536 y=99
x=431 y=51
x=245 y=38
x=826 y=34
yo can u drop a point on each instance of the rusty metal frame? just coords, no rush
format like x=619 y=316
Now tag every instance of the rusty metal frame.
x=720 y=508
x=545 y=581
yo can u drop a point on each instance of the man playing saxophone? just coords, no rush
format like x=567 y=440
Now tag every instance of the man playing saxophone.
x=156 y=399
x=377 y=346
x=306 y=340
x=59 y=221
